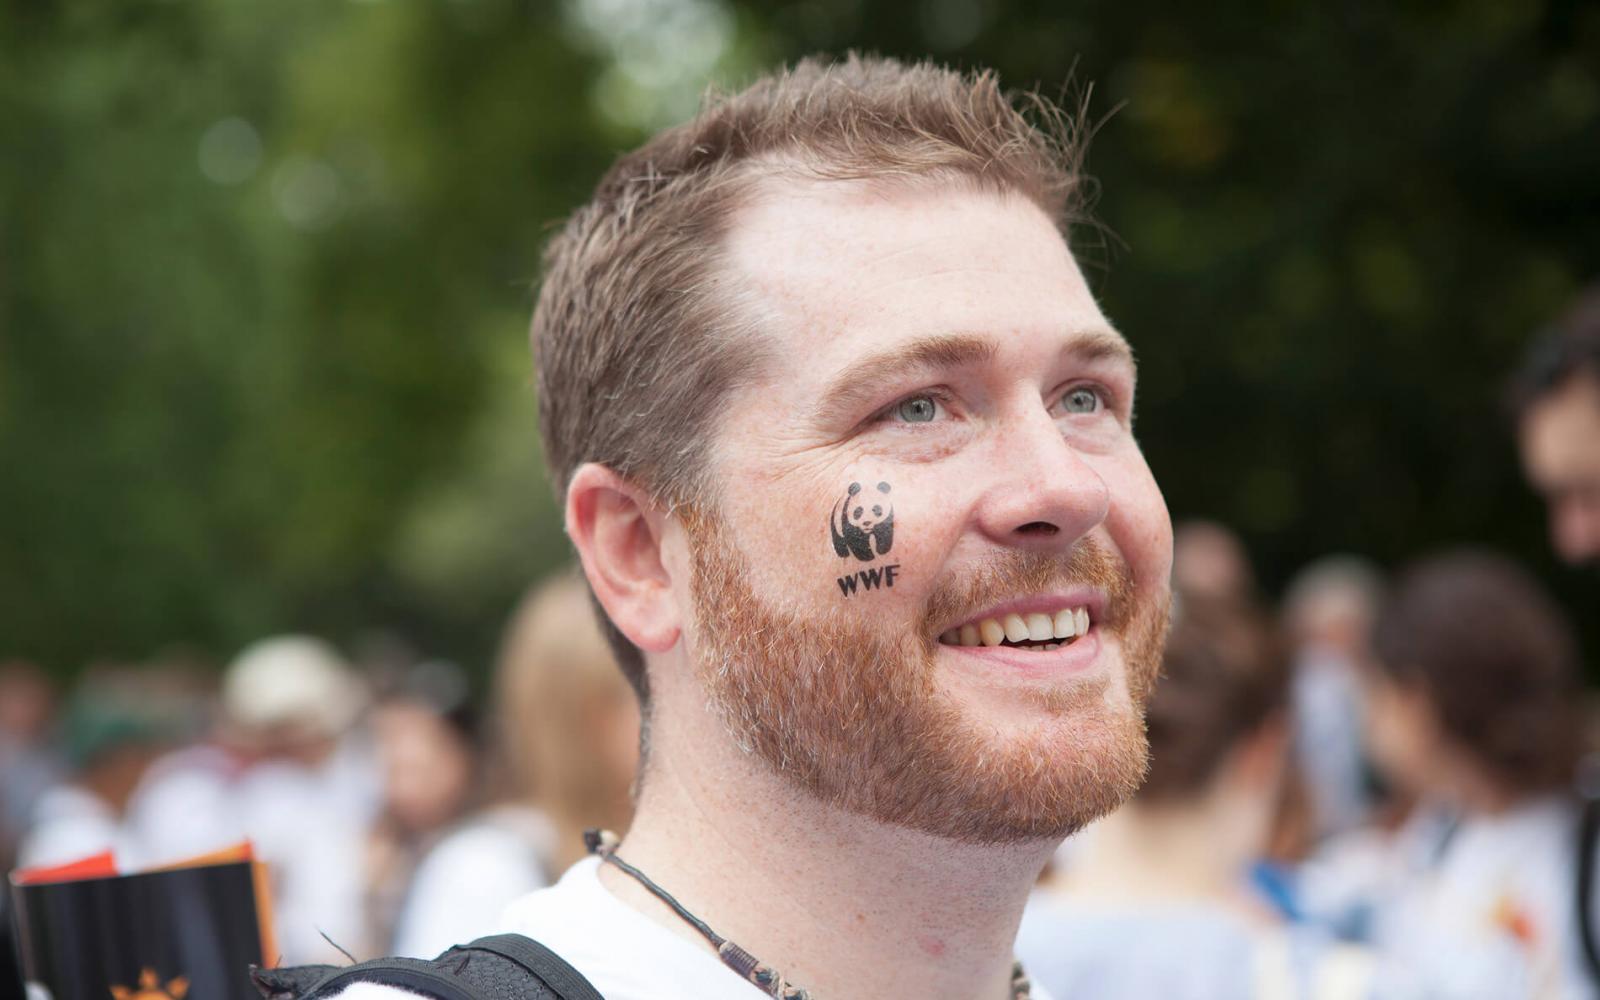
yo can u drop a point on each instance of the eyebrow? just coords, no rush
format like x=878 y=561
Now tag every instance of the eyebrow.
x=861 y=382
x=1101 y=345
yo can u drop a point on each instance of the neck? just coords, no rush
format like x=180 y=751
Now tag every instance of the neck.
x=846 y=907
x=1170 y=852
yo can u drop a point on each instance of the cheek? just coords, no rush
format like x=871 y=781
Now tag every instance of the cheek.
x=784 y=536
x=1138 y=521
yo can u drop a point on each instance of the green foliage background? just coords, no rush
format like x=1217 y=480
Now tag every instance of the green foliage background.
x=265 y=272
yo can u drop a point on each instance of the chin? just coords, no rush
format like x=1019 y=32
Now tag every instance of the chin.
x=1078 y=755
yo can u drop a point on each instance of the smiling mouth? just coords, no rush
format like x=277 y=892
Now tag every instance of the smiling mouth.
x=1037 y=631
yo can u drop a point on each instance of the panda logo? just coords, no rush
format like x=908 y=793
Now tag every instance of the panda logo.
x=862 y=522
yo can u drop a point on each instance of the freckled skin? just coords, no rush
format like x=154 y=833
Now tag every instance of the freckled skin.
x=844 y=270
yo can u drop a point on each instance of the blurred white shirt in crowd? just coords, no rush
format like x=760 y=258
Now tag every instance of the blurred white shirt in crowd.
x=469 y=878
x=1328 y=720
x=69 y=824
x=1180 y=951
x=1461 y=911
x=308 y=824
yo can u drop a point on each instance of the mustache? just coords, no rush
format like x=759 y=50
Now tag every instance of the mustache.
x=1009 y=574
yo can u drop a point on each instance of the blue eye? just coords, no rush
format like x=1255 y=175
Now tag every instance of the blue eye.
x=917 y=409
x=1081 y=400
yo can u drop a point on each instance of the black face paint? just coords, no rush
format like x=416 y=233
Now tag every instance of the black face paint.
x=862 y=525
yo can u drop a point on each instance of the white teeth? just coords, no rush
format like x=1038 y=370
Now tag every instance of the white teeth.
x=1032 y=631
x=1016 y=628
x=1040 y=628
x=1065 y=624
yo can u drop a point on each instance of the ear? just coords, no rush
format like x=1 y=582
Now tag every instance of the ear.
x=617 y=530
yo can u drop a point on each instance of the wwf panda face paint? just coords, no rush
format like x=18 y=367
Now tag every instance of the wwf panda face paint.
x=862 y=523
x=862 y=526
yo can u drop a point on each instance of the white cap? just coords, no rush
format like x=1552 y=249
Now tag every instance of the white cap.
x=291 y=680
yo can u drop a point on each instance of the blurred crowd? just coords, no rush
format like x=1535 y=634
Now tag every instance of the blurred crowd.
x=393 y=818
x=1367 y=791
x=1379 y=787
x=1373 y=786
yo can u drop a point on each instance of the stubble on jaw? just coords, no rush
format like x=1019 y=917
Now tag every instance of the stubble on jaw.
x=856 y=717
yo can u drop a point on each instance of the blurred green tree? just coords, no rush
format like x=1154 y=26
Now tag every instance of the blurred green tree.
x=258 y=269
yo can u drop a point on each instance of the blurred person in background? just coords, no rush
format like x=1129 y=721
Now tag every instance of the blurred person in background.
x=1555 y=401
x=428 y=762
x=1209 y=561
x=1473 y=709
x=1328 y=613
x=285 y=747
x=1173 y=869
x=29 y=763
x=564 y=747
x=113 y=730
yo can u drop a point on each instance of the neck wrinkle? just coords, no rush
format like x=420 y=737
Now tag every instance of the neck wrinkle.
x=846 y=907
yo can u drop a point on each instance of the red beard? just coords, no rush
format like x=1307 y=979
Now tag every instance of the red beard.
x=853 y=713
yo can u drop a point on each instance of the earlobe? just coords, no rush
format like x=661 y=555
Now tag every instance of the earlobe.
x=616 y=529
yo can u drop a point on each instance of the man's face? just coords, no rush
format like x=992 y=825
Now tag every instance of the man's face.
x=1560 y=436
x=934 y=584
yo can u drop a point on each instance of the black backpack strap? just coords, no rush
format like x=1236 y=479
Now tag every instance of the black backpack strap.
x=492 y=968
x=438 y=979
x=1588 y=840
x=540 y=962
x=289 y=982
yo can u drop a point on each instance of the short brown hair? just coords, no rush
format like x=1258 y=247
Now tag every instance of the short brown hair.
x=638 y=339
x=1497 y=660
x=1223 y=676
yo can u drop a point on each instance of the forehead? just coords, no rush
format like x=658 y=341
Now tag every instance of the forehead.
x=842 y=268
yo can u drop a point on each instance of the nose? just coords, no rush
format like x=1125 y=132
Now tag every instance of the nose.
x=1043 y=494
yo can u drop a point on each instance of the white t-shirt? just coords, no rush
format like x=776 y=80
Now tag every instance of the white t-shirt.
x=1179 y=950
x=625 y=954
x=71 y=823
x=467 y=880
x=202 y=799
x=1496 y=916
x=1458 y=911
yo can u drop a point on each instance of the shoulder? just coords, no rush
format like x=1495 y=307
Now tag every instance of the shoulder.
x=623 y=952
x=497 y=967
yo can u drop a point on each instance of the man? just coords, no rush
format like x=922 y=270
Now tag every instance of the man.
x=1555 y=399
x=847 y=454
